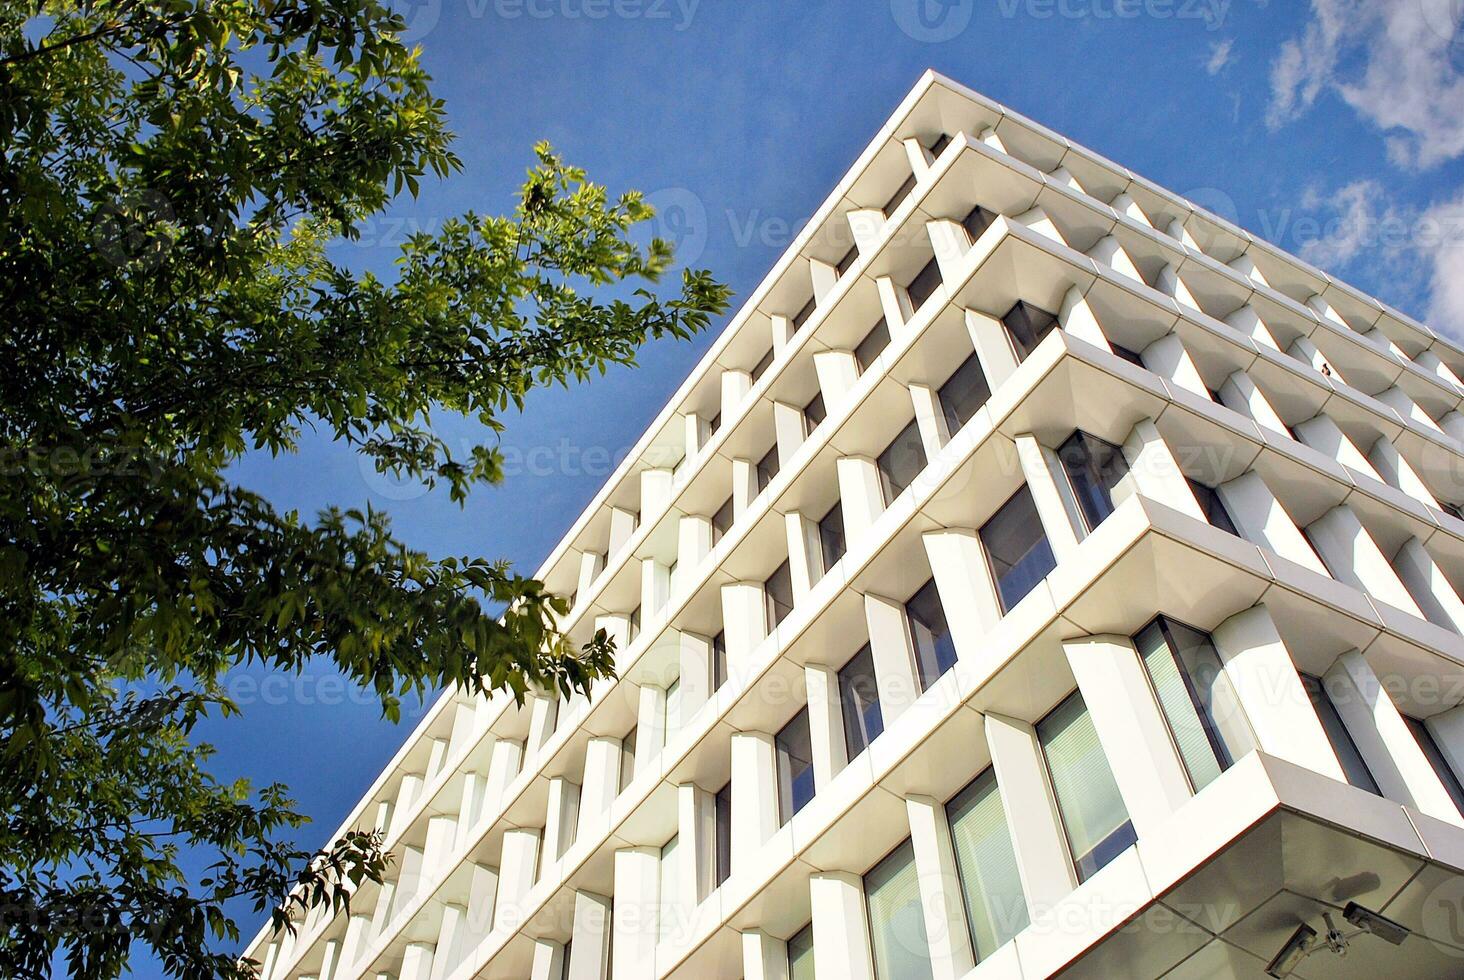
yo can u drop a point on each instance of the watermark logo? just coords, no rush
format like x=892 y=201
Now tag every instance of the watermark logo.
x=932 y=21
x=1443 y=917
x=421 y=17
x=681 y=219
x=132 y=231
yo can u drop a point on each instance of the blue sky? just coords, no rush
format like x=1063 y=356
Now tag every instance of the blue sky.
x=1334 y=128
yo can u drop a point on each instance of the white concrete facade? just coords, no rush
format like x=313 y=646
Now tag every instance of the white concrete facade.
x=1067 y=794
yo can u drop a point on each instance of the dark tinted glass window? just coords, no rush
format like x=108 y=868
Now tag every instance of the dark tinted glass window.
x=779 y=588
x=719 y=661
x=1126 y=354
x=872 y=345
x=800 y=955
x=627 y=758
x=1213 y=507
x=859 y=694
x=901 y=462
x=963 y=394
x=1436 y=759
x=1093 y=468
x=761 y=366
x=1027 y=325
x=801 y=317
x=831 y=536
x=714 y=424
x=898 y=197
x=767 y=468
x=722 y=521
x=1352 y=762
x=941 y=142
x=977 y=222
x=633 y=629
x=795 y=766
x=935 y=651
x=814 y=413
x=923 y=285
x=1016 y=546
x=847 y=262
x=723 y=805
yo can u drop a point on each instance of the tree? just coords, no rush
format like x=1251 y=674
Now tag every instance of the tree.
x=172 y=173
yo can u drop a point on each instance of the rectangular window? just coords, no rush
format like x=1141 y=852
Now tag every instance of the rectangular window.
x=714 y=425
x=1199 y=703
x=923 y=286
x=633 y=627
x=778 y=590
x=814 y=413
x=800 y=954
x=1353 y=765
x=977 y=222
x=1213 y=507
x=627 y=759
x=719 y=660
x=670 y=894
x=767 y=468
x=996 y=907
x=831 y=536
x=935 y=651
x=872 y=345
x=1016 y=549
x=898 y=197
x=722 y=807
x=721 y=521
x=859 y=695
x=896 y=917
x=1027 y=326
x=938 y=147
x=671 y=721
x=761 y=367
x=1093 y=815
x=801 y=317
x=901 y=462
x=795 y=766
x=847 y=262
x=1093 y=469
x=1128 y=355
x=1435 y=755
x=963 y=394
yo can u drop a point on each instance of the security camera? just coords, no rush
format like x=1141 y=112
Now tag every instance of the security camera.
x=1372 y=923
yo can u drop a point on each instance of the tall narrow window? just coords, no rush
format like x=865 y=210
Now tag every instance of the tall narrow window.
x=963 y=394
x=633 y=627
x=847 y=262
x=1093 y=814
x=714 y=425
x=1353 y=765
x=722 y=808
x=1213 y=507
x=670 y=894
x=896 y=917
x=814 y=413
x=923 y=286
x=831 y=536
x=800 y=954
x=872 y=345
x=859 y=695
x=941 y=142
x=719 y=660
x=996 y=907
x=935 y=651
x=1435 y=756
x=1016 y=549
x=795 y=766
x=767 y=468
x=1197 y=698
x=901 y=462
x=898 y=197
x=977 y=222
x=1027 y=326
x=779 y=592
x=801 y=317
x=761 y=367
x=1093 y=469
x=721 y=521
x=627 y=759
x=671 y=721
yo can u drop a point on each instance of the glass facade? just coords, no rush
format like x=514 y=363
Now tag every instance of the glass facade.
x=1016 y=549
x=898 y=197
x=996 y=907
x=779 y=592
x=935 y=651
x=1435 y=755
x=1093 y=469
x=977 y=221
x=795 y=766
x=1353 y=765
x=722 y=856
x=800 y=954
x=923 y=286
x=814 y=413
x=761 y=367
x=767 y=468
x=901 y=462
x=1213 y=507
x=831 y=537
x=963 y=394
x=722 y=521
x=671 y=895
x=872 y=345
x=859 y=697
x=896 y=918
x=1027 y=326
x=1093 y=813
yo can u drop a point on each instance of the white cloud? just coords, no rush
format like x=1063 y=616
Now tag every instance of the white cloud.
x=1390 y=60
x=1352 y=223
x=1220 y=55
x=1441 y=242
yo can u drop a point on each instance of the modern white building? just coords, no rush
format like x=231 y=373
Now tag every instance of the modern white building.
x=1039 y=576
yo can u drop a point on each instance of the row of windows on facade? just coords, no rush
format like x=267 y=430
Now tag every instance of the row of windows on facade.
x=1209 y=729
